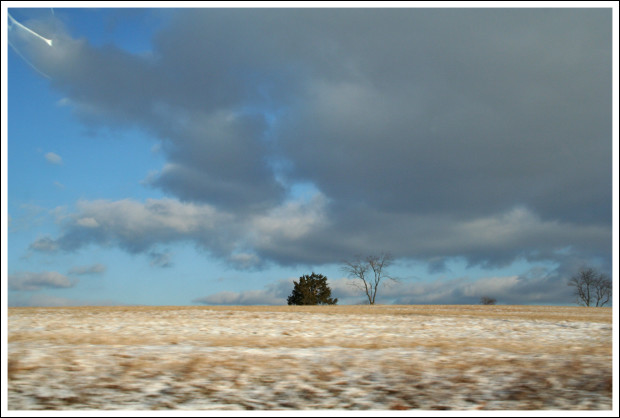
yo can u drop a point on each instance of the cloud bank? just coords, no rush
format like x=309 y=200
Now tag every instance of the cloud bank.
x=537 y=286
x=431 y=133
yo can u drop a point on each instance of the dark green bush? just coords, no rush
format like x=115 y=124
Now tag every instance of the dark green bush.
x=311 y=290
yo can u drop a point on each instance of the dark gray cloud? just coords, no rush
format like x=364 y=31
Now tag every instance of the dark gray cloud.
x=431 y=133
x=477 y=112
x=492 y=241
x=219 y=159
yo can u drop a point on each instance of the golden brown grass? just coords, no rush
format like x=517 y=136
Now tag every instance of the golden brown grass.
x=434 y=357
x=530 y=312
x=60 y=330
x=445 y=344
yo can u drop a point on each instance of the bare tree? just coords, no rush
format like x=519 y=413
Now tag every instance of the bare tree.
x=591 y=287
x=486 y=300
x=368 y=273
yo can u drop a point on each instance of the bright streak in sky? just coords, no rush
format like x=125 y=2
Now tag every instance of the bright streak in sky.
x=12 y=22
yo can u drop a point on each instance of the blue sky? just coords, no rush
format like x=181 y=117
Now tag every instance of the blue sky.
x=179 y=157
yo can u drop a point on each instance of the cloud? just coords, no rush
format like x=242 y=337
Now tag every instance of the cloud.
x=218 y=158
x=273 y=294
x=276 y=293
x=135 y=226
x=476 y=133
x=39 y=299
x=248 y=297
x=53 y=158
x=35 y=281
x=301 y=232
x=536 y=286
x=245 y=260
x=87 y=222
x=492 y=241
x=27 y=216
x=160 y=259
x=88 y=270
x=139 y=227
x=44 y=244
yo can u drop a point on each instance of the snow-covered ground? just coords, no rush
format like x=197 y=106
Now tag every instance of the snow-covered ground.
x=287 y=358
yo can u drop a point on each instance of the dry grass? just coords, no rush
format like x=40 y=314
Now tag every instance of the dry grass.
x=283 y=357
x=529 y=312
x=445 y=344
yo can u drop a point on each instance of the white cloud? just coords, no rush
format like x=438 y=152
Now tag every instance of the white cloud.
x=244 y=260
x=290 y=221
x=140 y=226
x=65 y=101
x=53 y=158
x=490 y=286
x=87 y=222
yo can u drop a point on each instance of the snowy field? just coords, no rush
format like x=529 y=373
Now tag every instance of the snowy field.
x=299 y=358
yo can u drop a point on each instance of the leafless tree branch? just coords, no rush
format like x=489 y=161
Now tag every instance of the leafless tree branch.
x=591 y=288
x=368 y=273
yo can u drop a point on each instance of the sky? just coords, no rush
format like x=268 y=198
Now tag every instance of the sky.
x=205 y=156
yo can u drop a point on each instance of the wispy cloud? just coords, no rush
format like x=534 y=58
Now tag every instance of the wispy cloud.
x=41 y=300
x=53 y=158
x=44 y=244
x=537 y=286
x=38 y=280
x=272 y=294
x=160 y=259
x=88 y=270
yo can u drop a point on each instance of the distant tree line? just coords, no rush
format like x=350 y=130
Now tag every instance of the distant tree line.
x=367 y=274
x=591 y=288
